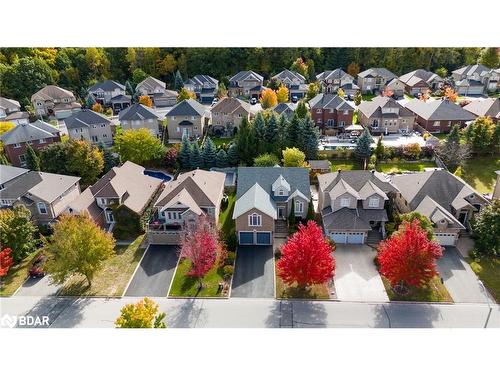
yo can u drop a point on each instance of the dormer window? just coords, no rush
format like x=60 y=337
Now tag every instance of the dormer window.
x=374 y=202
x=345 y=202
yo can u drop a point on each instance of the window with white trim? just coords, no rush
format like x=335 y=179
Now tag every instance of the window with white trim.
x=437 y=123
x=254 y=220
x=102 y=200
x=42 y=208
x=299 y=207
x=345 y=202
x=374 y=202
x=16 y=145
x=22 y=160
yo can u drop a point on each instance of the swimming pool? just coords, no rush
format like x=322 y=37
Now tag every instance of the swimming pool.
x=158 y=174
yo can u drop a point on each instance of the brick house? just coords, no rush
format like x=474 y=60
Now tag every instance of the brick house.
x=331 y=113
x=228 y=114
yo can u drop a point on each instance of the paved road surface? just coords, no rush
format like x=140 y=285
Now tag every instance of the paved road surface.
x=254 y=272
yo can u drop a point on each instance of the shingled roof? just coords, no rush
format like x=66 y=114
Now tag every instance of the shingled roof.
x=188 y=107
x=52 y=92
x=137 y=112
x=108 y=85
x=374 y=107
x=378 y=72
x=487 y=107
x=29 y=132
x=439 y=110
x=329 y=101
x=85 y=117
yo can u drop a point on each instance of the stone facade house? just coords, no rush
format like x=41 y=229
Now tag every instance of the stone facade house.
x=331 y=113
x=187 y=119
x=157 y=91
x=104 y=91
x=228 y=114
x=204 y=86
x=247 y=84
x=332 y=80
x=139 y=116
x=54 y=101
x=90 y=126
x=374 y=80
x=384 y=115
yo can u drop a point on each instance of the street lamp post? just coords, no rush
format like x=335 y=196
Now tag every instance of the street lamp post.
x=488 y=301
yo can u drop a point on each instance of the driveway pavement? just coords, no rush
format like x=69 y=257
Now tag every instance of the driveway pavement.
x=39 y=287
x=254 y=272
x=356 y=277
x=459 y=279
x=154 y=274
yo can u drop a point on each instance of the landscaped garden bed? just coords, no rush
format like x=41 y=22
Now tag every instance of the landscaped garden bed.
x=319 y=291
x=434 y=291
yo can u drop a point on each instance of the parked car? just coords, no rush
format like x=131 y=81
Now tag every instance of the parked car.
x=294 y=99
x=37 y=267
x=253 y=101
x=214 y=102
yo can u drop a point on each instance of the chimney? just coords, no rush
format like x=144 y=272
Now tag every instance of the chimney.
x=373 y=171
x=339 y=170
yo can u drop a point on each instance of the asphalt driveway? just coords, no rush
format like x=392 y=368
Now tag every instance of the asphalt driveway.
x=154 y=274
x=254 y=272
x=38 y=287
x=459 y=278
x=356 y=277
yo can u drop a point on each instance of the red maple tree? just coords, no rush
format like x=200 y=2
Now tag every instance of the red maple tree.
x=201 y=245
x=306 y=258
x=6 y=261
x=408 y=257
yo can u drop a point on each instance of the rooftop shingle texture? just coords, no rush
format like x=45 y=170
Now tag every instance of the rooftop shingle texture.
x=487 y=107
x=188 y=107
x=377 y=72
x=138 y=112
x=286 y=108
x=355 y=179
x=344 y=219
x=289 y=74
x=329 y=101
x=202 y=79
x=52 y=92
x=439 y=110
x=319 y=164
x=373 y=108
x=85 y=118
x=333 y=74
x=246 y=75
x=9 y=103
x=151 y=83
x=471 y=69
x=229 y=105
x=86 y=202
x=435 y=212
x=108 y=85
x=29 y=132
x=8 y=173
x=255 y=197
x=420 y=74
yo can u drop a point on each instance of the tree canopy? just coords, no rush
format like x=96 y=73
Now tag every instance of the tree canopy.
x=138 y=146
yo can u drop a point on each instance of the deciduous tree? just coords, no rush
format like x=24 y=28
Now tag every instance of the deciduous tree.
x=299 y=66
x=353 y=69
x=452 y=152
x=423 y=221
x=442 y=72
x=185 y=94
x=266 y=160
x=301 y=110
x=170 y=158
x=97 y=107
x=486 y=229
x=6 y=126
x=479 y=135
x=341 y=93
x=221 y=91
x=6 y=261
x=312 y=91
x=490 y=57
x=143 y=314
x=138 y=146
x=358 y=98
x=146 y=100
x=282 y=94
x=18 y=232
x=293 y=157
x=450 y=94
x=268 y=98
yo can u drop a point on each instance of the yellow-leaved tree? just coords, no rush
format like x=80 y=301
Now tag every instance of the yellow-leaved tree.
x=143 y=314
x=146 y=100
x=268 y=98
x=282 y=94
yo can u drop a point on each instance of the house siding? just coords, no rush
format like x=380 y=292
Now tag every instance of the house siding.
x=242 y=222
x=14 y=153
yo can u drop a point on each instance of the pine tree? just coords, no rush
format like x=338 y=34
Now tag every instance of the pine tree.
x=379 y=150
x=310 y=138
x=259 y=126
x=178 y=81
x=209 y=153
x=232 y=155
x=291 y=216
x=128 y=88
x=109 y=160
x=293 y=132
x=301 y=110
x=32 y=159
x=184 y=155
x=271 y=133
x=246 y=143
x=221 y=159
x=196 y=159
x=281 y=141
x=363 y=151
x=90 y=101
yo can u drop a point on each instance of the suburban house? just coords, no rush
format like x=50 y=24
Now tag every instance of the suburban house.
x=475 y=79
x=46 y=195
x=54 y=101
x=319 y=166
x=439 y=116
x=122 y=188
x=332 y=80
x=286 y=109
x=120 y=102
x=204 y=86
x=103 y=92
x=331 y=113
x=397 y=87
x=187 y=119
x=8 y=175
x=90 y=126
x=228 y=114
x=374 y=80
x=38 y=135
x=139 y=116
x=294 y=82
x=265 y=198
x=385 y=115
x=247 y=84
x=420 y=81
x=444 y=198
x=352 y=205
x=488 y=107
x=10 y=111
x=157 y=91
x=192 y=194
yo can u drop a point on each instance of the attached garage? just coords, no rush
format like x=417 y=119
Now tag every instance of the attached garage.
x=348 y=237
x=246 y=238
x=255 y=238
x=446 y=239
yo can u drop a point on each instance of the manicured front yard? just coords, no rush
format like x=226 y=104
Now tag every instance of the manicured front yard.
x=320 y=291
x=404 y=166
x=222 y=141
x=17 y=275
x=479 y=172
x=184 y=286
x=344 y=164
x=112 y=279
x=226 y=221
x=488 y=270
x=434 y=292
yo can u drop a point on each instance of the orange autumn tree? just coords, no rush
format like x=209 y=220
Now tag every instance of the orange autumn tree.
x=450 y=94
x=97 y=107
x=282 y=94
x=146 y=100
x=387 y=92
x=268 y=99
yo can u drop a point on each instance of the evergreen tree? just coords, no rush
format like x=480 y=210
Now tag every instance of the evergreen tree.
x=293 y=132
x=281 y=141
x=245 y=143
x=184 y=155
x=232 y=155
x=178 y=81
x=128 y=88
x=32 y=159
x=291 y=216
x=221 y=159
x=301 y=110
x=109 y=160
x=259 y=127
x=496 y=138
x=363 y=151
x=379 y=150
x=209 y=153
x=271 y=134
x=90 y=101
x=310 y=139
x=196 y=158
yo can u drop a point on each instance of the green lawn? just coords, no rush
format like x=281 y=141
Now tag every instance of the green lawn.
x=404 y=166
x=184 y=286
x=222 y=141
x=112 y=279
x=488 y=270
x=319 y=291
x=226 y=221
x=345 y=165
x=17 y=275
x=367 y=97
x=434 y=292
x=479 y=172
x=440 y=136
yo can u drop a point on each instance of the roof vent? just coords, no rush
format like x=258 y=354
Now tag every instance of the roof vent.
x=373 y=171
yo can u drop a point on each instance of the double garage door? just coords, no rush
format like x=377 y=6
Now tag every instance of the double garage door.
x=255 y=238
x=348 y=237
x=446 y=239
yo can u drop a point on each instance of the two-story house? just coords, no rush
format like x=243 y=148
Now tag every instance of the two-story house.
x=385 y=115
x=352 y=205
x=46 y=195
x=421 y=81
x=38 y=135
x=285 y=109
x=294 y=82
x=475 y=79
x=122 y=188
x=374 y=80
x=10 y=111
x=103 y=92
x=439 y=116
x=246 y=83
x=157 y=91
x=90 y=126
x=265 y=198
x=332 y=80
x=139 y=116
x=444 y=198
x=204 y=86
x=331 y=113
x=192 y=194
x=488 y=107
x=54 y=101
x=188 y=118
x=228 y=114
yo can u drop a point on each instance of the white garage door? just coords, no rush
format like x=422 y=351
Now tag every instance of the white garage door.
x=338 y=237
x=475 y=90
x=446 y=239
x=355 y=237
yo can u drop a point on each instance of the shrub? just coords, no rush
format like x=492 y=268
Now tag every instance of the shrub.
x=228 y=271
x=230 y=258
x=231 y=241
x=277 y=253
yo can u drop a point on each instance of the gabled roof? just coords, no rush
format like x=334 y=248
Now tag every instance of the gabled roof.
x=229 y=105
x=290 y=75
x=151 y=83
x=439 y=110
x=52 y=92
x=435 y=212
x=355 y=179
x=471 y=69
x=369 y=188
x=8 y=173
x=487 y=107
x=246 y=75
x=9 y=103
x=121 y=99
x=374 y=107
x=344 y=219
x=188 y=107
x=341 y=187
x=137 y=112
x=280 y=182
x=329 y=101
x=201 y=79
x=255 y=197
x=85 y=118
x=333 y=74
x=377 y=72
x=413 y=77
x=29 y=132
x=108 y=85
x=286 y=108
x=185 y=199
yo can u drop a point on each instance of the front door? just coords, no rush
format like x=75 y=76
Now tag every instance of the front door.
x=185 y=132
x=462 y=217
x=281 y=212
x=109 y=216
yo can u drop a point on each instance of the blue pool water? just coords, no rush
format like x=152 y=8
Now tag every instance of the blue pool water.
x=157 y=174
